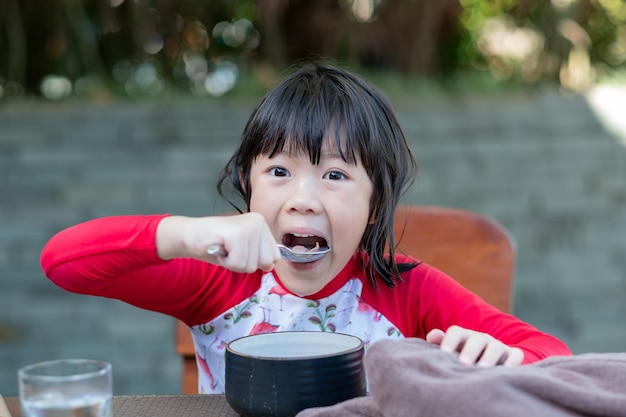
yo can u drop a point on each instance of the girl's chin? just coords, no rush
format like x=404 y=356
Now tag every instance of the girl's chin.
x=302 y=278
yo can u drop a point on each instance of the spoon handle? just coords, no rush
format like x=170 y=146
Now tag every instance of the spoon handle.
x=298 y=257
x=218 y=250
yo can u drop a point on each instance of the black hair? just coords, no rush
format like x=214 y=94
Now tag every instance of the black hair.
x=317 y=101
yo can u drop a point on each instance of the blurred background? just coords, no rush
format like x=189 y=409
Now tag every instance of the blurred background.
x=514 y=108
x=148 y=48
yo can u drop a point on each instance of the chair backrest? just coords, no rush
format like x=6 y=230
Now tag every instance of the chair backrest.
x=475 y=250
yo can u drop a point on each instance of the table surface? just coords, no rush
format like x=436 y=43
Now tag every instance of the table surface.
x=157 y=405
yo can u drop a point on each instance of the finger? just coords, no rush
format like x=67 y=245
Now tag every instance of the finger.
x=435 y=336
x=454 y=339
x=268 y=256
x=256 y=250
x=515 y=357
x=265 y=264
x=473 y=348
x=494 y=354
x=268 y=252
x=243 y=258
x=237 y=260
x=252 y=261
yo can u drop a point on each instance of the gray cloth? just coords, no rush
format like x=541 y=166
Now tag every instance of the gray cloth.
x=414 y=378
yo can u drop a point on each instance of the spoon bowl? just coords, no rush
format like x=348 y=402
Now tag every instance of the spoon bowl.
x=286 y=252
x=302 y=257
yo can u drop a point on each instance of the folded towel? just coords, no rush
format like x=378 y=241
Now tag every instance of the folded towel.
x=414 y=378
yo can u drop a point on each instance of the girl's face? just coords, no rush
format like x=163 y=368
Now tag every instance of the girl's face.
x=305 y=203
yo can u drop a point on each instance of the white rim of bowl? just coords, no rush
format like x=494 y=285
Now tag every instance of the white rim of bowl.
x=231 y=346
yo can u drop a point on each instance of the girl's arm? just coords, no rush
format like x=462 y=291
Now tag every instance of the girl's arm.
x=116 y=257
x=458 y=320
x=100 y=250
x=159 y=262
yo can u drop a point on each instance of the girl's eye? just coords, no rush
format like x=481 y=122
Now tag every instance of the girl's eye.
x=335 y=175
x=279 y=172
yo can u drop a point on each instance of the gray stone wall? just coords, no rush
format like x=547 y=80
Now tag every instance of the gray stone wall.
x=542 y=165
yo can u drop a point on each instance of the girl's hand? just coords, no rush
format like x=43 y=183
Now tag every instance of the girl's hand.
x=475 y=348
x=247 y=239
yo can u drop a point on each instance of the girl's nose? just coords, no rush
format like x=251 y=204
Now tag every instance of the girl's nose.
x=304 y=197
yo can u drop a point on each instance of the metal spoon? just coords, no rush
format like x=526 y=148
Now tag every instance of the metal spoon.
x=286 y=252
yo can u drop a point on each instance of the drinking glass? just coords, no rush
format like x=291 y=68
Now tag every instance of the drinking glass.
x=66 y=388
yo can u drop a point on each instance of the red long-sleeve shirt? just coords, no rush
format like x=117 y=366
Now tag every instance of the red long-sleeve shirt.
x=116 y=257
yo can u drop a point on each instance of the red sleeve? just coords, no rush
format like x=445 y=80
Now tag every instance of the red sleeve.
x=116 y=257
x=444 y=302
x=437 y=301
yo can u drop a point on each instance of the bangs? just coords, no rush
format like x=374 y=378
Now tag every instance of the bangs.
x=309 y=117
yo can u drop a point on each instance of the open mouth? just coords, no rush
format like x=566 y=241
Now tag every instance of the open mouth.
x=304 y=243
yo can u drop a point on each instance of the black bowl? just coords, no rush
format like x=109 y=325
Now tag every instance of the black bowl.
x=280 y=374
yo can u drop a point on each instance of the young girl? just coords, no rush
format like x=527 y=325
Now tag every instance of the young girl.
x=322 y=162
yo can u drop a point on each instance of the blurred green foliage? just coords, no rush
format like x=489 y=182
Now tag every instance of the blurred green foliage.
x=148 y=48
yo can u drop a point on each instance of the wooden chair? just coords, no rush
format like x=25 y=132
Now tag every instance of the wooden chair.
x=474 y=249
x=187 y=352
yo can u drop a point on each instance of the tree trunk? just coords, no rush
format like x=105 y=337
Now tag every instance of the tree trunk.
x=11 y=20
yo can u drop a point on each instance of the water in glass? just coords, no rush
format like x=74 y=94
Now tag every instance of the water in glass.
x=50 y=405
